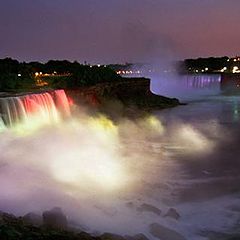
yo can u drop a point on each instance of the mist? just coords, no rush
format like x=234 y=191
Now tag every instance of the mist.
x=101 y=173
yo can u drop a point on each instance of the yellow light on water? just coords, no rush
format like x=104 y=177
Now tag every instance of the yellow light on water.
x=192 y=140
x=103 y=127
x=2 y=126
x=90 y=170
x=92 y=162
x=153 y=123
x=33 y=122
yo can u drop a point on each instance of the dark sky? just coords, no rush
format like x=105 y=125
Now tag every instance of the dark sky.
x=107 y=31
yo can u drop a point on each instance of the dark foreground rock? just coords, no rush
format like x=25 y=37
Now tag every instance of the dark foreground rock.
x=110 y=236
x=139 y=236
x=172 y=213
x=165 y=233
x=211 y=235
x=33 y=219
x=55 y=218
x=149 y=208
x=17 y=228
x=13 y=228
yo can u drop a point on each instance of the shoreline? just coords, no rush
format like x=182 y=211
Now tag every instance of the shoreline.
x=36 y=227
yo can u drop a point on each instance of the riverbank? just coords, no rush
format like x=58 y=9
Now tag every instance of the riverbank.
x=52 y=225
x=29 y=228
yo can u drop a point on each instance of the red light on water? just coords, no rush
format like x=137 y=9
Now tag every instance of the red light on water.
x=70 y=101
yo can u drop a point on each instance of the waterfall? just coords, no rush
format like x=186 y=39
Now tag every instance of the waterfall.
x=203 y=81
x=186 y=87
x=48 y=107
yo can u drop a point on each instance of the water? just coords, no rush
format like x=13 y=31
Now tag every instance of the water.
x=186 y=87
x=115 y=177
x=208 y=190
x=42 y=108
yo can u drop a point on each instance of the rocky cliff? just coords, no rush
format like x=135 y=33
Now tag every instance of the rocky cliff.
x=230 y=83
x=129 y=92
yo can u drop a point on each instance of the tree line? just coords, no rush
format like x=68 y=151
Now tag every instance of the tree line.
x=61 y=74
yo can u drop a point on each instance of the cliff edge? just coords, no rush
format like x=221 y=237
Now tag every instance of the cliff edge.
x=129 y=92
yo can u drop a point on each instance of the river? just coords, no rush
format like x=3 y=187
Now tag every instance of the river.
x=172 y=175
x=203 y=140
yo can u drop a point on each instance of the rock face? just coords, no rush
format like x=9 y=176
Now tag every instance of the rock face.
x=55 y=218
x=230 y=83
x=139 y=236
x=110 y=236
x=15 y=228
x=128 y=91
x=165 y=233
x=172 y=213
x=149 y=208
x=33 y=219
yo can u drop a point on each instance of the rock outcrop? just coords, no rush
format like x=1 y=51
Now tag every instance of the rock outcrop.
x=17 y=228
x=172 y=213
x=165 y=233
x=55 y=218
x=149 y=208
x=33 y=219
x=128 y=92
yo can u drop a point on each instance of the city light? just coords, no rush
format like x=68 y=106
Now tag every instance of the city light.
x=236 y=69
x=224 y=69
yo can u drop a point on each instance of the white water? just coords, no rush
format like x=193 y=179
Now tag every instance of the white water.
x=186 y=87
x=100 y=173
x=46 y=106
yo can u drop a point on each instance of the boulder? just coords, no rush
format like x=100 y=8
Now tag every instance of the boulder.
x=55 y=218
x=165 y=233
x=111 y=236
x=33 y=219
x=139 y=236
x=84 y=236
x=172 y=213
x=149 y=208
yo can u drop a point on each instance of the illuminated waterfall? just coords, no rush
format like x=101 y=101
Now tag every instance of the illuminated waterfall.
x=47 y=107
x=202 y=81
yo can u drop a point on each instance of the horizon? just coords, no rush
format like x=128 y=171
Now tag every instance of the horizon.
x=113 y=63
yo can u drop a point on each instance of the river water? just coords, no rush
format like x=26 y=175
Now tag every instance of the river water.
x=206 y=150
x=173 y=175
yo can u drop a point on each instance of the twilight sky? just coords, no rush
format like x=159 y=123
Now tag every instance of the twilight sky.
x=108 y=31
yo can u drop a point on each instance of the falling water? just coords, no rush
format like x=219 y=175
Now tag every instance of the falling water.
x=47 y=107
x=186 y=87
